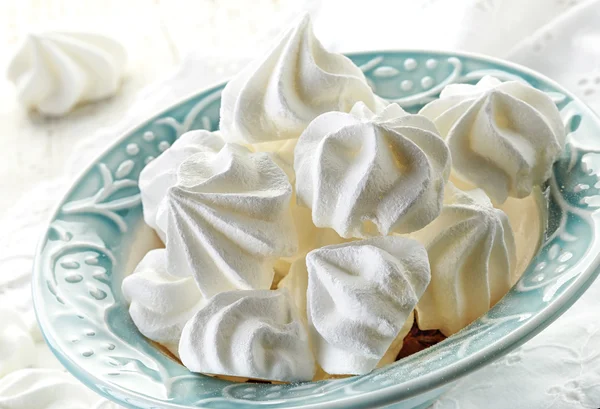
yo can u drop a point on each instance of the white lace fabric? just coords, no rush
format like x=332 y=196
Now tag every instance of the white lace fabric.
x=558 y=369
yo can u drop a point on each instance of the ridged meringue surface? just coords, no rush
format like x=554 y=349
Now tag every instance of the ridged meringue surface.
x=360 y=295
x=228 y=220
x=296 y=282
x=504 y=137
x=472 y=253
x=255 y=334
x=366 y=174
x=160 y=303
x=275 y=98
x=55 y=71
x=161 y=174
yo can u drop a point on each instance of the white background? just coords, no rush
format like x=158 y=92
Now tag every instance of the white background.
x=182 y=46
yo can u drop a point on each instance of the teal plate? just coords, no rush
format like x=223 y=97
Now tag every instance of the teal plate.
x=81 y=261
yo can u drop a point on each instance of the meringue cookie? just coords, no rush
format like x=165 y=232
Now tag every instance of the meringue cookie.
x=53 y=72
x=161 y=174
x=365 y=175
x=392 y=353
x=472 y=255
x=282 y=153
x=47 y=389
x=255 y=334
x=310 y=237
x=17 y=347
x=360 y=295
x=296 y=283
x=160 y=303
x=228 y=220
x=504 y=137
x=275 y=98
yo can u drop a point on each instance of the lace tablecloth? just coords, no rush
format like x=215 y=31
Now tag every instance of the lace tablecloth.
x=558 y=369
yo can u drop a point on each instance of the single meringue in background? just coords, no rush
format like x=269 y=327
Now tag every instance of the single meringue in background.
x=365 y=175
x=160 y=303
x=55 y=71
x=228 y=219
x=359 y=297
x=504 y=137
x=48 y=389
x=472 y=254
x=161 y=174
x=275 y=98
x=254 y=334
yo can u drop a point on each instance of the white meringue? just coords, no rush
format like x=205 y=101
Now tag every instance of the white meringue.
x=160 y=303
x=360 y=295
x=275 y=98
x=255 y=334
x=394 y=349
x=282 y=153
x=296 y=282
x=364 y=174
x=472 y=255
x=228 y=220
x=47 y=389
x=161 y=174
x=504 y=137
x=55 y=71
x=17 y=347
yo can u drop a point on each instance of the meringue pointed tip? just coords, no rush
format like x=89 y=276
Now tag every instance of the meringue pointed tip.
x=305 y=19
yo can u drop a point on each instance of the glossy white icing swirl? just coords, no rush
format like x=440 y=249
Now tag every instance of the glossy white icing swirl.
x=160 y=303
x=504 y=137
x=365 y=175
x=48 y=389
x=473 y=257
x=161 y=174
x=228 y=219
x=253 y=334
x=53 y=72
x=275 y=98
x=360 y=295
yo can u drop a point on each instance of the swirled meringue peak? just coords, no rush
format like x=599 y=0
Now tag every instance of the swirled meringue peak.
x=160 y=303
x=228 y=219
x=504 y=137
x=364 y=174
x=254 y=334
x=472 y=254
x=55 y=71
x=360 y=294
x=276 y=98
x=161 y=174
